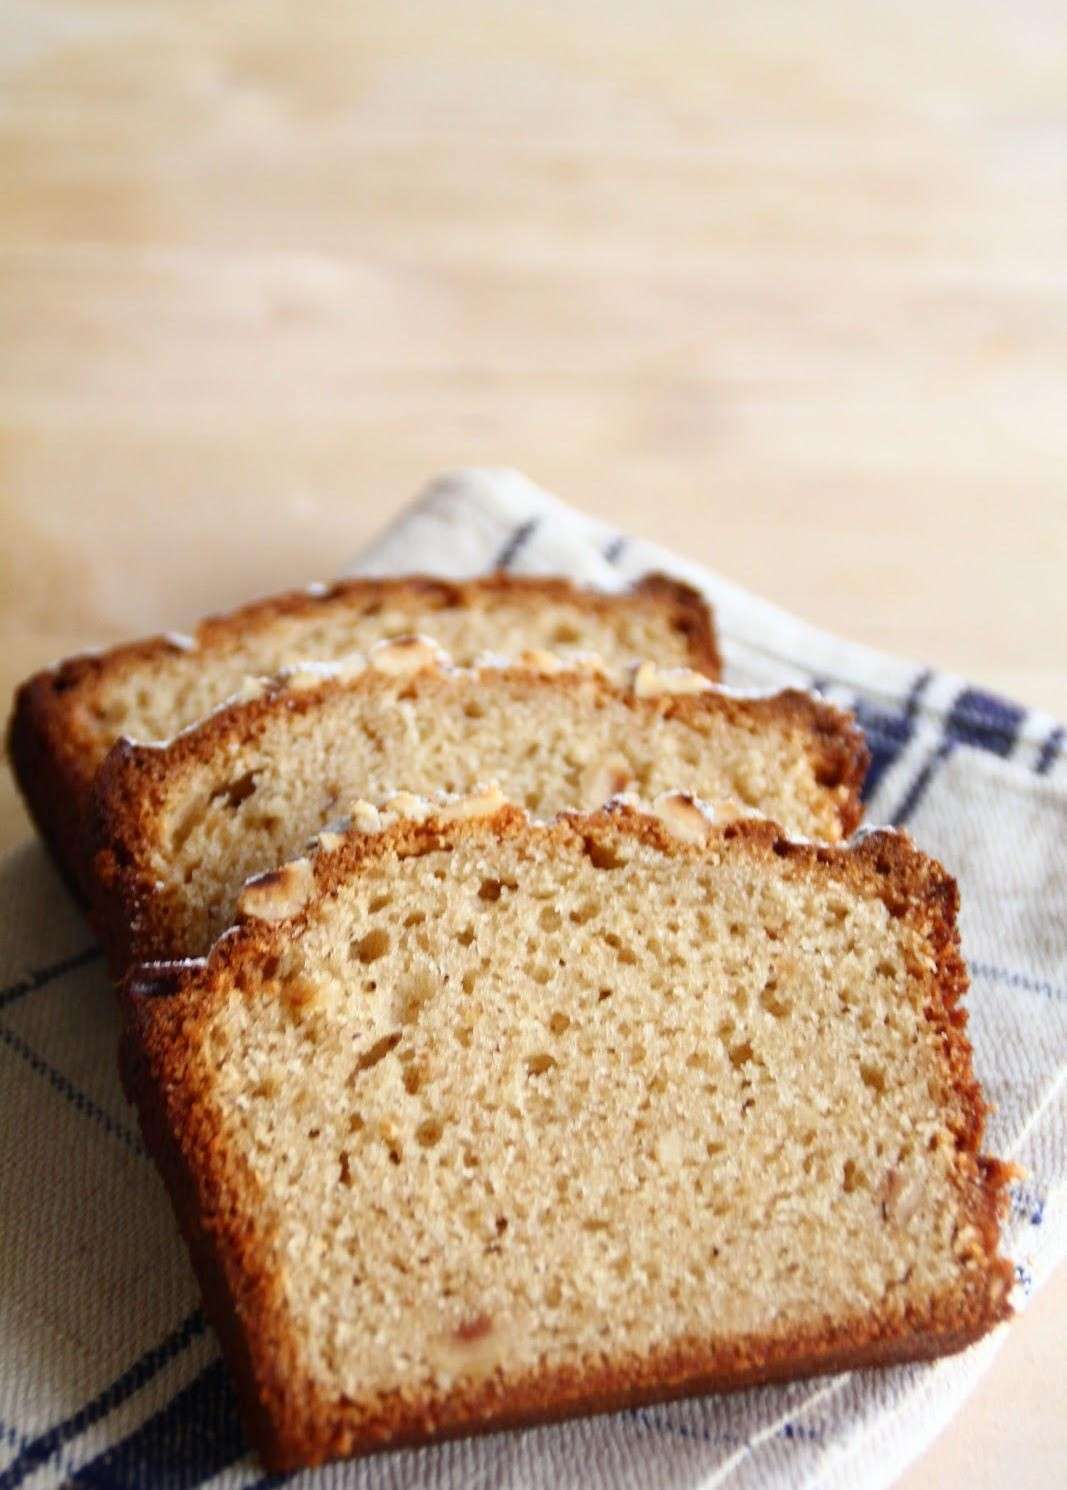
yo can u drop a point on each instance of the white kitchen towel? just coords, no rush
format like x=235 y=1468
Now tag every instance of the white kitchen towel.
x=109 y=1376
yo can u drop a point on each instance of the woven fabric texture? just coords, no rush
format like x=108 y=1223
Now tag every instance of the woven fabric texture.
x=109 y=1376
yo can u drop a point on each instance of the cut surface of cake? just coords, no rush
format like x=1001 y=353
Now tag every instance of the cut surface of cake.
x=474 y=1122
x=176 y=830
x=67 y=717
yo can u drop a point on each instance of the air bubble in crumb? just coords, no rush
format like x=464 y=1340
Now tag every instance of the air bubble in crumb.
x=774 y=1001
x=300 y=994
x=429 y=1133
x=373 y=945
x=413 y=992
x=874 y=1077
x=236 y=792
x=377 y=1052
x=492 y=889
x=603 y=855
x=853 y=1178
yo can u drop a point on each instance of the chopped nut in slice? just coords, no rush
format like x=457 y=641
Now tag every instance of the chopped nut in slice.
x=278 y=894
x=901 y=1197
x=327 y=841
x=311 y=675
x=366 y=818
x=407 y=654
x=650 y=681
x=407 y=804
x=540 y=661
x=606 y=778
x=482 y=803
x=681 y=815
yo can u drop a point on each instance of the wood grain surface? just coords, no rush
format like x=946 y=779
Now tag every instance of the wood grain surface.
x=784 y=286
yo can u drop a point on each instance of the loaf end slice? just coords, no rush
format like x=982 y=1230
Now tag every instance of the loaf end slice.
x=66 y=718
x=177 y=829
x=472 y=1122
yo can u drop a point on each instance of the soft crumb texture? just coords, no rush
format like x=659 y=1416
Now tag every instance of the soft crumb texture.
x=180 y=829
x=67 y=718
x=512 y=1121
x=503 y=621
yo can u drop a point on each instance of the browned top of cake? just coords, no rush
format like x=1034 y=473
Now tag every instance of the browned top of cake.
x=67 y=717
x=178 y=828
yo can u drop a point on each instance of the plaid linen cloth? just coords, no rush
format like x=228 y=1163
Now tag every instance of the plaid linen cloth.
x=109 y=1375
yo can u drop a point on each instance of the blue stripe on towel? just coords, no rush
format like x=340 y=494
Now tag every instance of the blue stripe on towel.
x=40 y=1449
x=1049 y=751
x=195 y=1436
x=516 y=542
x=40 y=977
x=66 y=1088
x=1012 y=979
x=658 y=1419
x=983 y=719
x=888 y=733
x=912 y=799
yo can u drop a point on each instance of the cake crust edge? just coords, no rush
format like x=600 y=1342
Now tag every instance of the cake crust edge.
x=54 y=756
x=136 y=920
x=290 y=1422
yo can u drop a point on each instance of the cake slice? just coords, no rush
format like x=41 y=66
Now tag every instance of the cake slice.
x=472 y=1122
x=67 y=718
x=177 y=829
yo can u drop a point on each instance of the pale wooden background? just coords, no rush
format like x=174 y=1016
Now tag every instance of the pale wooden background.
x=782 y=285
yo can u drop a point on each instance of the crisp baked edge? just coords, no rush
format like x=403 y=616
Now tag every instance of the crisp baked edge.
x=135 y=917
x=55 y=756
x=292 y=1424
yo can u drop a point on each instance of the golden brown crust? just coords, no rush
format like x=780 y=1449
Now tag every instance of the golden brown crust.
x=49 y=766
x=292 y=1424
x=232 y=1293
x=57 y=737
x=136 y=916
x=691 y=616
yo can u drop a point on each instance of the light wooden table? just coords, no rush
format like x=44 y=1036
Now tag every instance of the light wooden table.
x=784 y=286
